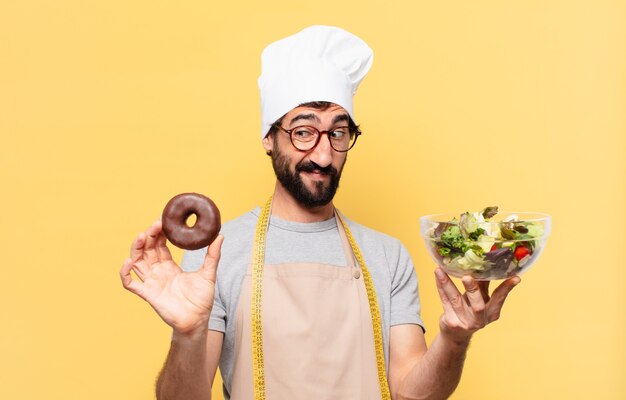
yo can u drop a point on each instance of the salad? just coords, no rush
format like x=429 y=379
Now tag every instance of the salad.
x=473 y=244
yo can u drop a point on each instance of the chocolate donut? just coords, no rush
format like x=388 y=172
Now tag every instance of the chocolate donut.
x=202 y=233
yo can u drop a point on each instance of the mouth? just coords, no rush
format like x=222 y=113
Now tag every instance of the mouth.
x=316 y=174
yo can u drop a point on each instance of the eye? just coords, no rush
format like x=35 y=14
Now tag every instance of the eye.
x=303 y=133
x=339 y=133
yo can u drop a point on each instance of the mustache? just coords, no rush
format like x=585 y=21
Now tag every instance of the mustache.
x=310 y=166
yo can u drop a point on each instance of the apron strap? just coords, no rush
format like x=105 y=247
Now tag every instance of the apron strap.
x=347 y=249
x=351 y=251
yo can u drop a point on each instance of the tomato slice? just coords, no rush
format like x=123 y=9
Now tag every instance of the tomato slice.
x=521 y=252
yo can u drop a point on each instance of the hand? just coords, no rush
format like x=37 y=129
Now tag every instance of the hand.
x=465 y=314
x=182 y=299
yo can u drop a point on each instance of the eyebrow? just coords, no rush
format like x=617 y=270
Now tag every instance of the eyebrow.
x=313 y=117
x=308 y=117
x=340 y=118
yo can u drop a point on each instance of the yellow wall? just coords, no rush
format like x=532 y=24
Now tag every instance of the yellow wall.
x=108 y=109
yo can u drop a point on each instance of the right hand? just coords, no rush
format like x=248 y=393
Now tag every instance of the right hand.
x=182 y=299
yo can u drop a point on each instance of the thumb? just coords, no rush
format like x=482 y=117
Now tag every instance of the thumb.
x=212 y=259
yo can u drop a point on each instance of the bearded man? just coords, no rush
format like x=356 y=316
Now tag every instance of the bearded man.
x=294 y=300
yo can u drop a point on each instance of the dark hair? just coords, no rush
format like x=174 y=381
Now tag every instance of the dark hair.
x=318 y=105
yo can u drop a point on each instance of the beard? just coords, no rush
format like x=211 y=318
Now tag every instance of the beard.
x=322 y=192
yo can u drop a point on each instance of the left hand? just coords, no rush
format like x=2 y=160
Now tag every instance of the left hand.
x=466 y=313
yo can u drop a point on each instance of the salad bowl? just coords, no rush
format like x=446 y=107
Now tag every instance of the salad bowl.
x=486 y=245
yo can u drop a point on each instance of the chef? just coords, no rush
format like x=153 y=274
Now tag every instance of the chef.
x=294 y=300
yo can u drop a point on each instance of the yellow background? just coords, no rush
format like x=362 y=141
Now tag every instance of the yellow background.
x=108 y=109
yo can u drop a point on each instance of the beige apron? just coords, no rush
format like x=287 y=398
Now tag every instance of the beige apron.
x=317 y=333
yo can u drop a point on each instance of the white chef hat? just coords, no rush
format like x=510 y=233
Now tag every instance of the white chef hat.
x=319 y=63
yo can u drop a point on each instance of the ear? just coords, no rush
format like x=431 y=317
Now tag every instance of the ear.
x=268 y=142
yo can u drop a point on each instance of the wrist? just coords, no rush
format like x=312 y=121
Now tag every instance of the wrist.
x=456 y=341
x=198 y=333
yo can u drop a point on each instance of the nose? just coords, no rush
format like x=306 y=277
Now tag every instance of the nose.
x=322 y=154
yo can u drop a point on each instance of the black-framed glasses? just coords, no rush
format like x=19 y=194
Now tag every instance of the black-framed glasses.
x=305 y=137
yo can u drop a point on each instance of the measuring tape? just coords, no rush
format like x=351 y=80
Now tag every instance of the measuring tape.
x=258 y=366
x=374 y=312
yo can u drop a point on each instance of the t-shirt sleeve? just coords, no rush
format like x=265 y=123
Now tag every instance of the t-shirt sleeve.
x=405 y=303
x=192 y=261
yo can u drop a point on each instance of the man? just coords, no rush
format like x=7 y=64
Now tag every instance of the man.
x=306 y=304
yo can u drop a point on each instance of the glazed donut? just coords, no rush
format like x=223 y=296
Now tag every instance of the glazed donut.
x=202 y=233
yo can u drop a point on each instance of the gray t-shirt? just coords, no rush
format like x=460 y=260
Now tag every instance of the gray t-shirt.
x=386 y=258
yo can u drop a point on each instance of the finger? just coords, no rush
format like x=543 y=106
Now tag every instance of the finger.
x=499 y=296
x=447 y=307
x=212 y=259
x=162 y=249
x=141 y=268
x=137 y=248
x=150 y=252
x=484 y=290
x=450 y=291
x=127 y=280
x=137 y=252
x=140 y=271
x=473 y=294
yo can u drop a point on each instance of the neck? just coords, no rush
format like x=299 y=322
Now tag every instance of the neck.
x=286 y=207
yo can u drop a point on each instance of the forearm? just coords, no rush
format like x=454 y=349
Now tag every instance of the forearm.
x=186 y=372
x=437 y=374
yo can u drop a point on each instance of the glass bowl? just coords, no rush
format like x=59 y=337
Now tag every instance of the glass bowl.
x=498 y=247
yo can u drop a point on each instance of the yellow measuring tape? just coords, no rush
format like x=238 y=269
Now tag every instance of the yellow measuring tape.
x=375 y=313
x=258 y=365
x=258 y=368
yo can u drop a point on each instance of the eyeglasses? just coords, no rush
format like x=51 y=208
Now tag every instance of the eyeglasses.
x=305 y=138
